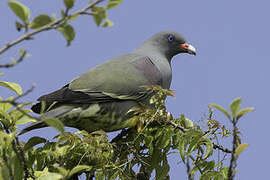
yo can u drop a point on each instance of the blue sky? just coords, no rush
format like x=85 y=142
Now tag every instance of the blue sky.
x=232 y=42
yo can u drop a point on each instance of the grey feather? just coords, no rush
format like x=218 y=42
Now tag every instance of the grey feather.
x=101 y=98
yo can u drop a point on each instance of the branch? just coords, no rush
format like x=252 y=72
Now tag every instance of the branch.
x=20 y=154
x=53 y=25
x=215 y=146
x=89 y=13
x=20 y=59
x=176 y=126
x=16 y=104
x=232 y=166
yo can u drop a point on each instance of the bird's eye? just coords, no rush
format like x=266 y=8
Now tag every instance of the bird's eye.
x=170 y=38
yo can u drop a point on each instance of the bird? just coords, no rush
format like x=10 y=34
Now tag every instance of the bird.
x=101 y=98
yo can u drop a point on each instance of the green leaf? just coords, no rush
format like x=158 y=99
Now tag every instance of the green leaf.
x=19 y=169
x=235 y=106
x=12 y=86
x=113 y=3
x=6 y=139
x=240 y=149
x=24 y=119
x=69 y=3
x=50 y=176
x=182 y=148
x=55 y=123
x=209 y=166
x=4 y=172
x=20 y=10
x=100 y=14
x=34 y=141
x=6 y=107
x=23 y=105
x=194 y=143
x=243 y=112
x=79 y=168
x=68 y=32
x=209 y=175
x=221 y=109
x=164 y=140
x=209 y=148
x=162 y=171
x=61 y=170
x=5 y=118
x=63 y=14
x=61 y=151
x=224 y=172
x=40 y=21
x=188 y=123
x=107 y=23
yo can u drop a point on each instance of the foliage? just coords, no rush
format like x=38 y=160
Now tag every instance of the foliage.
x=132 y=153
x=136 y=153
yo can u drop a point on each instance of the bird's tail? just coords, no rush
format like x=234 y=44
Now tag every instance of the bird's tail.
x=33 y=126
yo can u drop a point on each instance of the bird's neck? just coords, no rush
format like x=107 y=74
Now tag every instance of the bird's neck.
x=154 y=51
x=159 y=58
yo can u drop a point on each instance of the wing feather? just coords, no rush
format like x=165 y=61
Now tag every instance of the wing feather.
x=118 y=80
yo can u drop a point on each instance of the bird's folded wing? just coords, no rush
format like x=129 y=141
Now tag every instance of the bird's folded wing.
x=116 y=80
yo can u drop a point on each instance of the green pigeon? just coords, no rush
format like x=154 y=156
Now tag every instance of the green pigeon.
x=101 y=98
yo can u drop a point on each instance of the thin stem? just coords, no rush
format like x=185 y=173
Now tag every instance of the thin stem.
x=20 y=59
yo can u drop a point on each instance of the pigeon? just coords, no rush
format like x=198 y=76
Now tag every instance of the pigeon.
x=101 y=98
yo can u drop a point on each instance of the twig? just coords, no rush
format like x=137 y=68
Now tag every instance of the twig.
x=20 y=59
x=16 y=104
x=53 y=25
x=88 y=13
x=176 y=126
x=25 y=93
x=20 y=154
x=215 y=146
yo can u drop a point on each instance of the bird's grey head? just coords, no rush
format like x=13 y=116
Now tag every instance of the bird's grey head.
x=168 y=43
